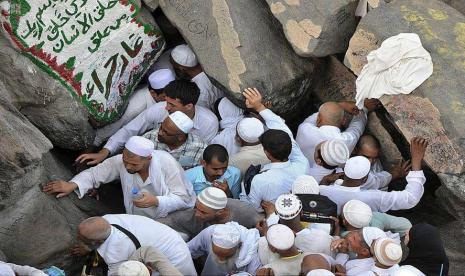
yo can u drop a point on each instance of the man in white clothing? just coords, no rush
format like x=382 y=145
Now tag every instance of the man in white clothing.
x=115 y=246
x=229 y=115
x=186 y=65
x=329 y=156
x=181 y=95
x=287 y=160
x=387 y=254
x=153 y=176
x=356 y=173
x=326 y=125
x=139 y=101
x=228 y=247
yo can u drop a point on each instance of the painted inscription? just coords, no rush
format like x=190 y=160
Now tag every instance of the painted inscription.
x=98 y=49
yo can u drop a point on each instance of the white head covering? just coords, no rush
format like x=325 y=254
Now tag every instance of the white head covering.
x=250 y=129
x=230 y=113
x=305 y=184
x=320 y=272
x=213 y=197
x=280 y=237
x=407 y=270
x=6 y=270
x=357 y=167
x=372 y=233
x=182 y=121
x=133 y=268
x=183 y=55
x=334 y=152
x=226 y=236
x=288 y=206
x=387 y=251
x=357 y=213
x=140 y=146
x=315 y=241
x=160 y=78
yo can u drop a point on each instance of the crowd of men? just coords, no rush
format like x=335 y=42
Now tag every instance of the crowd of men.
x=213 y=189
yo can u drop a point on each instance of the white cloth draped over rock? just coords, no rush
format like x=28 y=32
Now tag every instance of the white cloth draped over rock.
x=399 y=66
x=230 y=117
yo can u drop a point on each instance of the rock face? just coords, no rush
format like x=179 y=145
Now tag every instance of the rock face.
x=316 y=28
x=95 y=53
x=456 y=4
x=239 y=45
x=435 y=109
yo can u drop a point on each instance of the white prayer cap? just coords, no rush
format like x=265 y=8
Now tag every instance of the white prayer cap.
x=334 y=152
x=133 y=268
x=213 y=197
x=315 y=241
x=288 y=206
x=387 y=251
x=407 y=270
x=305 y=184
x=372 y=233
x=357 y=167
x=320 y=272
x=160 y=78
x=280 y=236
x=140 y=146
x=6 y=270
x=182 y=121
x=183 y=55
x=250 y=129
x=357 y=213
x=226 y=236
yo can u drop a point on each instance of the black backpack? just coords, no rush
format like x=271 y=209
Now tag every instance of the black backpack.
x=317 y=209
x=251 y=172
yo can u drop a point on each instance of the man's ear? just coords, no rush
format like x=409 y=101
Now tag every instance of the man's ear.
x=203 y=163
x=318 y=120
x=365 y=178
x=189 y=106
x=318 y=161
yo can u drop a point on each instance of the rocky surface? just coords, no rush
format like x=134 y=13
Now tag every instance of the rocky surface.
x=316 y=28
x=240 y=44
x=456 y=4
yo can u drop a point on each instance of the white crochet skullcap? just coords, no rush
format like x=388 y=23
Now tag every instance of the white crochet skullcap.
x=140 y=146
x=280 y=237
x=320 y=272
x=334 y=152
x=226 y=236
x=407 y=270
x=387 y=251
x=160 y=78
x=250 y=129
x=357 y=167
x=357 y=213
x=213 y=197
x=133 y=268
x=305 y=184
x=183 y=55
x=288 y=206
x=182 y=121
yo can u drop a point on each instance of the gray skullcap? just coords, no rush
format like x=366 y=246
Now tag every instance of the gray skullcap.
x=213 y=197
x=334 y=152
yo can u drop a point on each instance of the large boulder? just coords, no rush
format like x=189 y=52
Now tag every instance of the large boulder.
x=67 y=62
x=240 y=44
x=316 y=28
x=456 y=4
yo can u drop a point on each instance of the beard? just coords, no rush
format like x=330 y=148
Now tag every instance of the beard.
x=228 y=265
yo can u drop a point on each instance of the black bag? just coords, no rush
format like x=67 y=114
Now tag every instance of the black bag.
x=95 y=264
x=317 y=209
x=251 y=172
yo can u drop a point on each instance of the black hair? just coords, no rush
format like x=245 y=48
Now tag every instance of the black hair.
x=215 y=151
x=185 y=91
x=277 y=143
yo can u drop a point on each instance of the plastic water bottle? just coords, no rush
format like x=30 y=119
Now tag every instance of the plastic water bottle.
x=136 y=194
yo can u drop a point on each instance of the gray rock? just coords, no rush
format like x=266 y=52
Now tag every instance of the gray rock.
x=316 y=28
x=151 y=4
x=240 y=44
x=456 y=4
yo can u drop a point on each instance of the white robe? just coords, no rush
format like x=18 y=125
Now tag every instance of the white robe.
x=205 y=125
x=358 y=266
x=118 y=248
x=208 y=92
x=230 y=116
x=166 y=180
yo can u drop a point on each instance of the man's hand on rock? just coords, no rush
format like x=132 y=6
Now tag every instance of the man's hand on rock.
x=253 y=99
x=349 y=107
x=417 y=150
x=80 y=250
x=372 y=104
x=93 y=158
x=401 y=170
x=147 y=200
x=62 y=188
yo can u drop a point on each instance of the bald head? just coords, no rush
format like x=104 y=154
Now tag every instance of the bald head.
x=369 y=147
x=314 y=261
x=330 y=113
x=94 y=228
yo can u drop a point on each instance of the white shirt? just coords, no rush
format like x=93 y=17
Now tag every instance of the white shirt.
x=309 y=135
x=358 y=266
x=248 y=155
x=377 y=271
x=118 y=247
x=139 y=101
x=166 y=180
x=208 y=92
x=205 y=125
x=276 y=179
x=380 y=201
x=378 y=179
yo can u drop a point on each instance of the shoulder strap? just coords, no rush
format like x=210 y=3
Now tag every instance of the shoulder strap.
x=129 y=234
